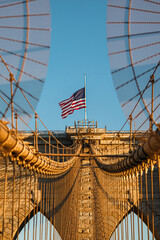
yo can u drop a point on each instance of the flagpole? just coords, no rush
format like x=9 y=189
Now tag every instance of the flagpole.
x=85 y=113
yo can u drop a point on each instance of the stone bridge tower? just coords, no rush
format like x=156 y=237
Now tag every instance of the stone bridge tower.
x=84 y=194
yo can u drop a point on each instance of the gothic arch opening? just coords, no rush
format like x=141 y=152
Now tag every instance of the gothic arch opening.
x=132 y=227
x=38 y=227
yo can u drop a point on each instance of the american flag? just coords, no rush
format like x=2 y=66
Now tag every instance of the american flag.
x=75 y=102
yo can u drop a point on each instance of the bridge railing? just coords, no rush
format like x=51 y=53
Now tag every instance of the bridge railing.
x=85 y=124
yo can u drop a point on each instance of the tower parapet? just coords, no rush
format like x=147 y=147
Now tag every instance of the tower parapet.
x=85 y=129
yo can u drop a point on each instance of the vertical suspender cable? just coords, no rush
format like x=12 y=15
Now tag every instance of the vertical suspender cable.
x=133 y=204
x=122 y=204
x=25 y=202
x=43 y=203
x=119 y=213
x=36 y=133
x=29 y=198
x=34 y=207
x=130 y=138
x=51 y=206
x=137 y=197
x=5 y=196
x=57 y=152
x=36 y=213
x=130 y=191
x=152 y=102
x=49 y=143
x=141 y=196
x=46 y=208
x=152 y=198
x=16 y=122
x=41 y=227
x=159 y=172
x=107 y=212
x=54 y=192
x=85 y=113
x=126 y=190
x=115 y=221
x=116 y=213
x=13 y=198
x=63 y=153
x=48 y=194
x=146 y=185
x=19 y=203
x=11 y=89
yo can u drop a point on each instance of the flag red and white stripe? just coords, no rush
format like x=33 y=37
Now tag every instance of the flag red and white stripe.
x=75 y=102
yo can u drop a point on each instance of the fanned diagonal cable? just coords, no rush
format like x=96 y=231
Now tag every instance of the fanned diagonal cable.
x=138 y=76
x=133 y=35
x=24 y=42
x=135 y=63
x=25 y=51
x=25 y=73
x=138 y=94
x=31 y=13
x=25 y=28
x=21 y=56
x=141 y=95
x=24 y=15
x=134 y=9
x=134 y=49
x=16 y=3
x=17 y=84
x=154 y=2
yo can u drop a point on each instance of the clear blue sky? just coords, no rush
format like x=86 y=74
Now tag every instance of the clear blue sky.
x=78 y=47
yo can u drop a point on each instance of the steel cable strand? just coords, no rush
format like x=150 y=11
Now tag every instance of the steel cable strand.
x=11 y=142
x=147 y=150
